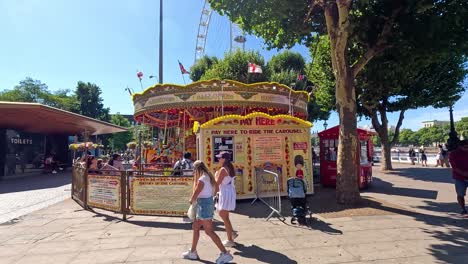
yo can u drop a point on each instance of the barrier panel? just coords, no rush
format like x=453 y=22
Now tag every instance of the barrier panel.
x=132 y=192
x=78 y=190
x=160 y=195
x=104 y=191
x=267 y=190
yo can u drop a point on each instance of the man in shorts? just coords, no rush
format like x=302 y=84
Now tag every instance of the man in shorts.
x=459 y=161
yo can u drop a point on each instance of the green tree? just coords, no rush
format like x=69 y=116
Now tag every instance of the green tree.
x=397 y=82
x=286 y=61
x=201 y=66
x=119 y=141
x=234 y=67
x=432 y=135
x=358 y=31
x=90 y=101
x=462 y=127
x=34 y=91
x=408 y=137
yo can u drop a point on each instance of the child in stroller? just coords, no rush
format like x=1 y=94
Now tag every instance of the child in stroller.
x=297 y=195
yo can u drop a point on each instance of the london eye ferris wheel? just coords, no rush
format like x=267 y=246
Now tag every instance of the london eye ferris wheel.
x=213 y=23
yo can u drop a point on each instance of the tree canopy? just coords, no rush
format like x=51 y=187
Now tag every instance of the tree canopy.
x=234 y=65
x=34 y=91
x=119 y=141
x=358 y=31
x=90 y=101
x=201 y=66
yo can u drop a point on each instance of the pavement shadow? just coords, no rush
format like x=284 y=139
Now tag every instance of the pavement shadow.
x=154 y=224
x=262 y=255
x=381 y=186
x=35 y=182
x=428 y=174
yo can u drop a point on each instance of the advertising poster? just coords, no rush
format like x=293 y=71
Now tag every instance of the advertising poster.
x=268 y=148
x=104 y=192
x=160 y=195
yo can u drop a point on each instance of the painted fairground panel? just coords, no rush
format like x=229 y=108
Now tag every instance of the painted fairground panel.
x=258 y=140
x=160 y=195
x=104 y=191
x=78 y=183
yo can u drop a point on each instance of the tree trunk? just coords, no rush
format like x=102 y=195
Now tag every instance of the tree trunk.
x=336 y=16
x=386 y=162
x=347 y=191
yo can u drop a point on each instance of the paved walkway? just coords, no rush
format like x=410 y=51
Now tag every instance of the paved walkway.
x=21 y=196
x=422 y=229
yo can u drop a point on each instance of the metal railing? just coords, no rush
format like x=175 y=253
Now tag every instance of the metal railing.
x=267 y=190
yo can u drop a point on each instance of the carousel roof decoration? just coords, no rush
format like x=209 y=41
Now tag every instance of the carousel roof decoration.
x=232 y=119
x=170 y=105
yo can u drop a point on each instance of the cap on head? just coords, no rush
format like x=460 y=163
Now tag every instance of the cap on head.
x=224 y=155
x=187 y=155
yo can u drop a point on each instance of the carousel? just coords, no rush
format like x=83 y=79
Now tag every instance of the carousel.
x=260 y=124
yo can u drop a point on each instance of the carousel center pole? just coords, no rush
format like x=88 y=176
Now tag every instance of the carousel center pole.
x=160 y=41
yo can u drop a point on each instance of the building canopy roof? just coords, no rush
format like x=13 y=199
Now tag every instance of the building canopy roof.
x=38 y=118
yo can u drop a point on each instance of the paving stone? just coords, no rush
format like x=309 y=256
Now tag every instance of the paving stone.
x=47 y=258
x=103 y=256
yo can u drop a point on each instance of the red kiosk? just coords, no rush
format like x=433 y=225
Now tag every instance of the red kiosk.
x=329 y=151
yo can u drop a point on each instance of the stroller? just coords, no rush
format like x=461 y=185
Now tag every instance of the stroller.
x=297 y=195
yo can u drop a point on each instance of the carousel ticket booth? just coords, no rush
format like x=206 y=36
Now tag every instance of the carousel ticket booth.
x=280 y=144
x=329 y=153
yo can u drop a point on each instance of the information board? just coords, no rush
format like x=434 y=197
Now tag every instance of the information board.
x=268 y=148
x=160 y=195
x=104 y=192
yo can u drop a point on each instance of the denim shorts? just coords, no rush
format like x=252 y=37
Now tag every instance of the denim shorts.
x=461 y=186
x=205 y=208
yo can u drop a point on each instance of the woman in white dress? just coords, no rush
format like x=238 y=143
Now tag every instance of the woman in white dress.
x=226 y=191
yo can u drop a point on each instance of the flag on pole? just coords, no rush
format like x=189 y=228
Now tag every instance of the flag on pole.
x=254 y=68
x=139 y=75
x=182 y=69
x=300 y=77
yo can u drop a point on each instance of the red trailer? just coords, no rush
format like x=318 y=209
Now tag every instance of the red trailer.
x=329 y=151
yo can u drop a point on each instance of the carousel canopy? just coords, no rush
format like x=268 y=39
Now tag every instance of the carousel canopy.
x=38 y=118
x=168 y=105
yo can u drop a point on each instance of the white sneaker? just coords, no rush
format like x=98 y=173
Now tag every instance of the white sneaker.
x=228 y=243
x=54 y=172
x=224 y=258
x=190 y=255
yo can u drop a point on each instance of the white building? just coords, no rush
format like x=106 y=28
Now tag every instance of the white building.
x=435 y=123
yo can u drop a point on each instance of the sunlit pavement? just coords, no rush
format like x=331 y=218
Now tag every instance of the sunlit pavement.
x=21 y=196
x=425 y=229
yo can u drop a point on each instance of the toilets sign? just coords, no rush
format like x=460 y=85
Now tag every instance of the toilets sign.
x=21 y=141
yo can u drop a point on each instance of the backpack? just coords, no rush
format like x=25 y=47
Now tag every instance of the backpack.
x=296 y=188
x=181 y=166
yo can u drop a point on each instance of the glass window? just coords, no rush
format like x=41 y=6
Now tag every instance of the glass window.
x=364 y=157
x=223 y=144
x=330 y=148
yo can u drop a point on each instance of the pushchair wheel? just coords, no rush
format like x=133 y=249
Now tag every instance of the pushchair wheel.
x=293 y=220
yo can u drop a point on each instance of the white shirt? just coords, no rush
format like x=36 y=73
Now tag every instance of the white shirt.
x=207 y=191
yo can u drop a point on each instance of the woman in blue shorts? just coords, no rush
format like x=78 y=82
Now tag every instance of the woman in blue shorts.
x=203 y=194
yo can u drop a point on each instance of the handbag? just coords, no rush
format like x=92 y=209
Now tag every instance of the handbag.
x=192 y=211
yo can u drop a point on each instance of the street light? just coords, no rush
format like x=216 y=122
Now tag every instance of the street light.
x=325 y=125
x=452 y=142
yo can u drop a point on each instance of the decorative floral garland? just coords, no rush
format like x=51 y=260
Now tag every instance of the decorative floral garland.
x=249 y=163
x=84 y=146
x=208 y=152
x=286 y=155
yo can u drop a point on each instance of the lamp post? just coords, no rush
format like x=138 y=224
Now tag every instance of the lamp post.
x=325 y=125
x=453 y=140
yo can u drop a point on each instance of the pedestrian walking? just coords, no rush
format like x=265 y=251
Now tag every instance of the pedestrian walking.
x=459 y=161
x=422 y=151
x=203 y=196
x=226 y=194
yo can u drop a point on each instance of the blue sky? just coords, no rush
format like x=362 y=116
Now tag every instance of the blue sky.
x=105 y=42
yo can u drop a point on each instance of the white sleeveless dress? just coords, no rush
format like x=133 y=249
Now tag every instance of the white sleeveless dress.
x=227 y=195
